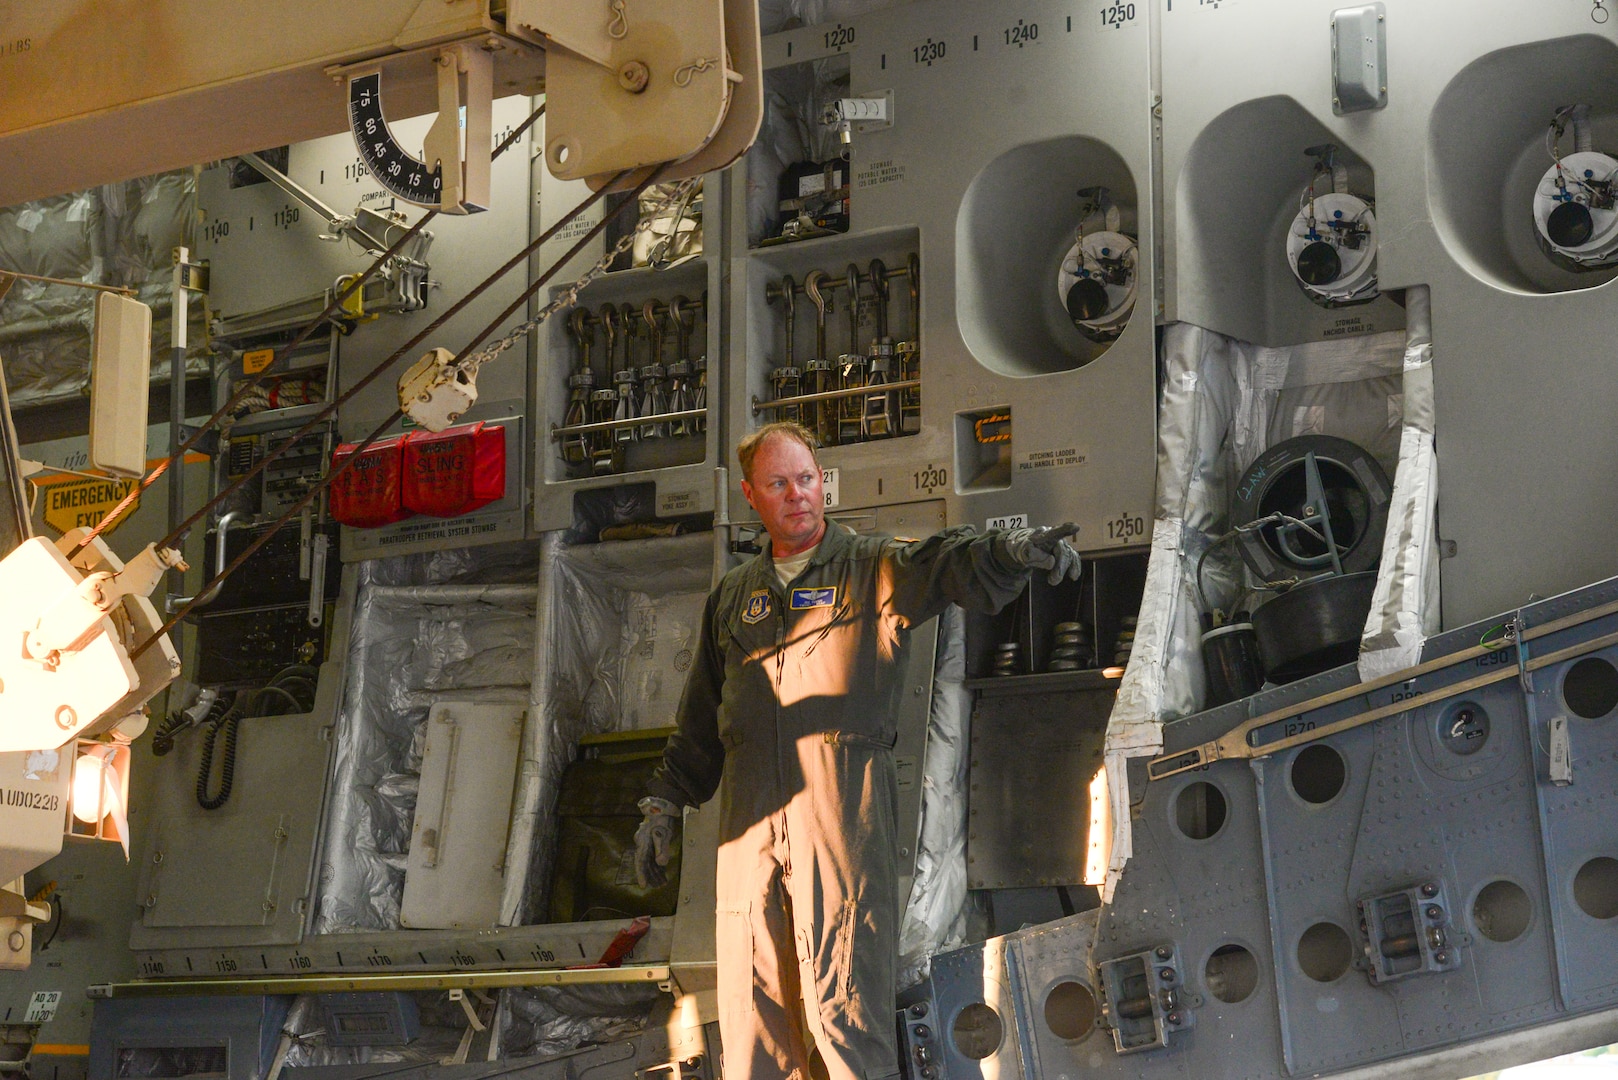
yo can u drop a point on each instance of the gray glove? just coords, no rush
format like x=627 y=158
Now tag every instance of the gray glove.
x=1043 y=549
x=654 y=840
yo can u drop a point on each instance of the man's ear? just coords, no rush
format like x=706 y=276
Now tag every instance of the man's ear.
x=747 y=493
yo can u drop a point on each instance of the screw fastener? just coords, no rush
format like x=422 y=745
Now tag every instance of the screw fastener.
x=634 y=76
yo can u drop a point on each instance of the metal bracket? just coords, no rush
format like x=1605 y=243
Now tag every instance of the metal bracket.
x=1408 y=932
x=1359 y=58
x=1144 y=1000
x=77 y=615
x=191 y=276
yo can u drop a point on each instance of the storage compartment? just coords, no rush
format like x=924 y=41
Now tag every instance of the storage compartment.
x=793 y=170
x=1488 y=148
x=635 y=346
x=1019 y=222
x=983 y=449
x=1078 y=628
x=1238 y=198
x=453 y=626
x=1226 y=404
x=829 y=319
x=585 y=640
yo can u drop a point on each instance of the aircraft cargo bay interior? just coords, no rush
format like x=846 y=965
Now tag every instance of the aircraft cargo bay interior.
x=836 y=539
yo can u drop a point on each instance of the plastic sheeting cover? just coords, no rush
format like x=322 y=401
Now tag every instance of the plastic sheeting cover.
x=117 y=234
x=794 y=99
x=450 y=624
x=935 y=918
x=1405 y=607
x=618 y=625
x=1224 y=403
x=443 y=1022
x=548 y=1020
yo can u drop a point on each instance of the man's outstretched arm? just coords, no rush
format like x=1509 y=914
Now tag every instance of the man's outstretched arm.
x=979 y=571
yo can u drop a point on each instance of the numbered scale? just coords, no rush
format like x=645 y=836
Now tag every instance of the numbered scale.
x=400 y=174
x=411 y=952
x=452 y=175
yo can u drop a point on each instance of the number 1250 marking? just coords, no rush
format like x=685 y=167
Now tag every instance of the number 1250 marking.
x=1117 y=16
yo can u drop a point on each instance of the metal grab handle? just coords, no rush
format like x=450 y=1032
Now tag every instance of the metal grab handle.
x=175 y=603
x=850 y=392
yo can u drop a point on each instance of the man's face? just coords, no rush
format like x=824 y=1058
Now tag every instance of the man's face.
x=785 y=490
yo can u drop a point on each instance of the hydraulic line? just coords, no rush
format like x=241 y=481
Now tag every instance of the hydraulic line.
x=314 y=491
x=258 y=380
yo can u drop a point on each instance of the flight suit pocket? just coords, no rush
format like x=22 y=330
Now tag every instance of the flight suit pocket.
x=846 y=992
x=733 y=949
x=855 y=738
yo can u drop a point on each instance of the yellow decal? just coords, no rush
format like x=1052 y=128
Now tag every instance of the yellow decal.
x=82 y=502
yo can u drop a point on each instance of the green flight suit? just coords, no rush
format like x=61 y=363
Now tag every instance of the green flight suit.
x=792 y=699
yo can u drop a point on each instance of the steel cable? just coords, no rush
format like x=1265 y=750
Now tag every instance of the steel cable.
x=258 y=380
x=342 y=399
x=296 y=509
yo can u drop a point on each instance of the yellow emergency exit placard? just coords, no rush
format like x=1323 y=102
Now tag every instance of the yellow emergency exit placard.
x=256 y=360
x=76 y=502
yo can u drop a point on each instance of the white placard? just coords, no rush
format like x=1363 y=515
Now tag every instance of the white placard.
x=1007 y=521
x=1066 y=457
x=676 y=503
x=42 y=1007
x=828 y=484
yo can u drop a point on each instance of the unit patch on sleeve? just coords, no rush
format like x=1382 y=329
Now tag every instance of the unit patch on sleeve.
x=758 y=607
x=813 y=598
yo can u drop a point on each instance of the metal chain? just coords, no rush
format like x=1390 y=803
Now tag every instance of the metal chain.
x=570 y=295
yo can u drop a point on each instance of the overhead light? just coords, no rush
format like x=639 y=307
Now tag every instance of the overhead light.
x=89 y=799
x=99 y=795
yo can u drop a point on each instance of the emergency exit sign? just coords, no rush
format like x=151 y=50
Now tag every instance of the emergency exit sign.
x=84 y=501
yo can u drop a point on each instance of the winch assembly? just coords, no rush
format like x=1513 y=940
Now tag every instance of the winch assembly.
x=1575 y=206
x=1098 y=278
x=1331 y=245
x=1310 y=515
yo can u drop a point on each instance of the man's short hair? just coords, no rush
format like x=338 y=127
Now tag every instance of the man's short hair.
x=748 y=448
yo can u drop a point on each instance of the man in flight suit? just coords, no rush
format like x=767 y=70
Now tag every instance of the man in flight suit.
x=791 y=699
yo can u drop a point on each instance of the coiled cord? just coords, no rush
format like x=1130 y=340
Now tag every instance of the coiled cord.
x=174 y=723
x=287 y=684
x=231 y=724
